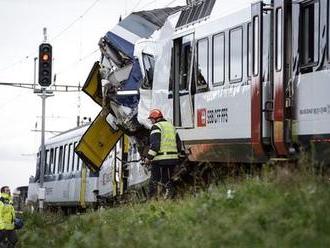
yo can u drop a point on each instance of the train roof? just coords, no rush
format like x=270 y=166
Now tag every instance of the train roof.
x=224 y=8
x=213 y=12
x=209 y=9
x=69 y=134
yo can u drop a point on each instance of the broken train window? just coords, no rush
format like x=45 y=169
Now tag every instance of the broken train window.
x=148 y=64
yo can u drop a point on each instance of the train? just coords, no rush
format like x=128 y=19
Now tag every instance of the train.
x=242 y=81
x=70 y=185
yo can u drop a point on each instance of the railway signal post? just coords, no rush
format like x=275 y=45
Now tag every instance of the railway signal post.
x=45 y=80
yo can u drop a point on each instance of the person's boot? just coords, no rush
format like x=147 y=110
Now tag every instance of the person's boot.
x=169 y=191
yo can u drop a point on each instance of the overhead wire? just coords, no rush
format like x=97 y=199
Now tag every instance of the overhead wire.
x=18 y=62
x=148 y=4
x=70 y=25
x=77 y=61
x=55 y=37
x=136 y=5
x=171 y=3
x=76 y=20
x=10 y=100
x=88 y=55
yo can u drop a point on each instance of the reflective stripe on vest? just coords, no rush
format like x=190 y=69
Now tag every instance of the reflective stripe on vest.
x=168 y=149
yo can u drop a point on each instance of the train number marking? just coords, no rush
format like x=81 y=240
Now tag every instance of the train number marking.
x=207 y=117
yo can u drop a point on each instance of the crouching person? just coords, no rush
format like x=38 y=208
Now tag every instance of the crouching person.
x=8 y=236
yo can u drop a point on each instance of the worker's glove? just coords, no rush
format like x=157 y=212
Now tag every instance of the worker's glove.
x=147 y=164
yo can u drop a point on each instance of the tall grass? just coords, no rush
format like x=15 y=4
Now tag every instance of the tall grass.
x=282 y=208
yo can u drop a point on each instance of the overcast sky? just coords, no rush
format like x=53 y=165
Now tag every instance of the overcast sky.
x=74 y=28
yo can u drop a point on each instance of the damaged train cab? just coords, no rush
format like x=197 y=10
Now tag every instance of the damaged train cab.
x=242 y=82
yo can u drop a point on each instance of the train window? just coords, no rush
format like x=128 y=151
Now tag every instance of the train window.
x=185 y=67
x=69 y=157
x=202 y=63
x=255 y=46
x=60 y=160
x=74 y=158
x=65 y=152
x=236 y=54
x=38 y=167
x=149 y=64
x=51 y=161
x=78 y=164
x=46 y=162
x=171 y=82
x=328 y=32
x=73 y=161
x=185 y=61
x=309 y=33
x=248 y=60
x=55 y=160
x=219 y=59
x=278 y=44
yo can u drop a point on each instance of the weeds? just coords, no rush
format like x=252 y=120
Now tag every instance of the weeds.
x=281 y=207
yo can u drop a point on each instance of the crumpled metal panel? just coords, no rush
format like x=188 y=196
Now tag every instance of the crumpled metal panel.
x=93 y=86
x=99 y=139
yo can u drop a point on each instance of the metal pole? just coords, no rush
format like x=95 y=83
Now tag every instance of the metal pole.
x=45 y=34
x=35 y=73
x=42 y=164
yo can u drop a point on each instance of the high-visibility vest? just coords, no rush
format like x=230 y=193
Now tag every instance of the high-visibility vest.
x=7 y=213
x=168 y=148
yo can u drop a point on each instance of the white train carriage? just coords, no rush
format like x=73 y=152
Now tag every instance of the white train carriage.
x=245 y=82
x=242 y=81
x=69 y=183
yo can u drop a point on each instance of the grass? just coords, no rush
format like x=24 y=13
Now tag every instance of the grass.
x=283 y=209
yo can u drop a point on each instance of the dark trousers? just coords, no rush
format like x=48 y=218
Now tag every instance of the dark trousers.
x=8 y=238
x=161 y=173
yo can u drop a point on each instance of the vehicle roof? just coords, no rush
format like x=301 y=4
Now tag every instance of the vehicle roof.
x=224 y=13
x=69 y=134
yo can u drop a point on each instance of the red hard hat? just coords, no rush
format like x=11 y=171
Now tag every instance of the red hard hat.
x=155 y=114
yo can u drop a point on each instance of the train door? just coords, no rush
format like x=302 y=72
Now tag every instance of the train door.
x=120 y=173
x=261 y=79
x=311 y=76
x=182 y=87
x=282 y=99
x=116 y=170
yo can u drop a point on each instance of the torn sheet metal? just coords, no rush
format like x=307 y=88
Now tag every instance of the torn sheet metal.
x=121 y=74
x=114 y=83
x=92 y=86
x=121 y=70
x=159 y=45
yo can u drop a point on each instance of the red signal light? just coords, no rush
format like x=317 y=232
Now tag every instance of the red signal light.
x=45 y=64
x=45 y=57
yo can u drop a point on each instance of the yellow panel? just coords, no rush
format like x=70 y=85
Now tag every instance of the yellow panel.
x=278 y=131
x=97 y=142
x=82 y=199
x=93 y=85
x=126 y=144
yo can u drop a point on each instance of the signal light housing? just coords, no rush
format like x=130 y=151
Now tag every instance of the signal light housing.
x=45 y=64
